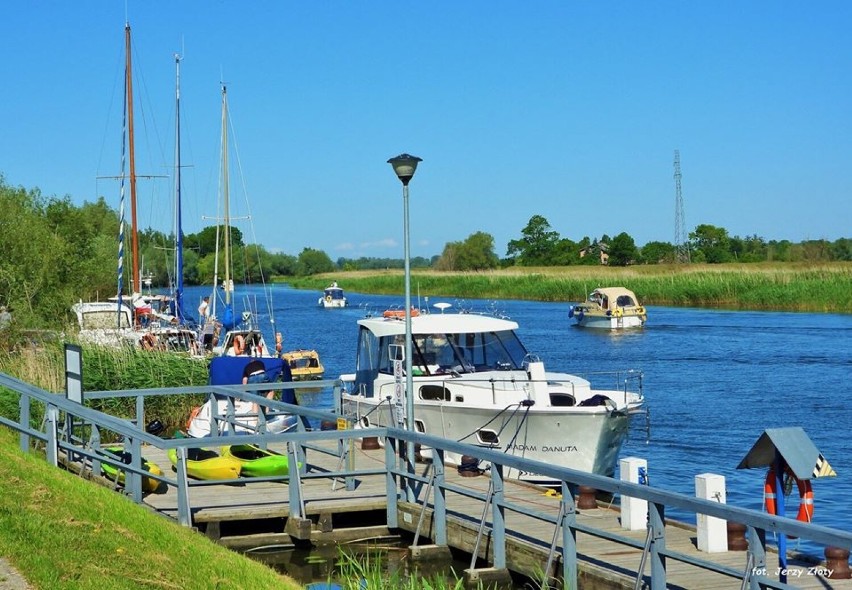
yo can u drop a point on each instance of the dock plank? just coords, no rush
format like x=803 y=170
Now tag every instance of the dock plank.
x=527 y=550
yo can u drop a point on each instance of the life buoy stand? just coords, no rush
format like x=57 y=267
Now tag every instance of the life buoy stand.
x=239 y=345
x=806 y=495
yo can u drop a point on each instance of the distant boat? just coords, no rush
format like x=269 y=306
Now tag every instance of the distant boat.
x=611 y=308
x=332 y=296
x=305 y=365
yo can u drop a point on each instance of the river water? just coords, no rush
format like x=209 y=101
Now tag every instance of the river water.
x=714 y=380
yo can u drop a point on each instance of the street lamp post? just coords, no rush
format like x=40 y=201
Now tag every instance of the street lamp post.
x=404 y=165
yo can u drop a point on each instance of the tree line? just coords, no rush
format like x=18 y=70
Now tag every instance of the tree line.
x=54 y=253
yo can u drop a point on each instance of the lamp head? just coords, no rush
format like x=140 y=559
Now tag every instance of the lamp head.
x=404 y=165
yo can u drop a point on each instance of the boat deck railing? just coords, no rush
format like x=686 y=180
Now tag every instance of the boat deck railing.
x=71 y=432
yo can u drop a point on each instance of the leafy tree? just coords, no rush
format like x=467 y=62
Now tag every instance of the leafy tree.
x=713 y=242
x=313 y=262
x=658 y=253
x=475 y=253
x=842 y=249
x=622 y=250
x=537 y=246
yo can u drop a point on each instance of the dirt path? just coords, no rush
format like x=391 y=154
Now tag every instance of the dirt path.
x=10 y=579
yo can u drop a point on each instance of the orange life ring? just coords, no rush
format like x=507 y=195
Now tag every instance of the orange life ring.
x=400 y=313
x=239 y=345
x=149 y=341
x=806 y=495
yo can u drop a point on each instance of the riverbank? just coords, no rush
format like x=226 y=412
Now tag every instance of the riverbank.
x=59 y=531
x=765 y=286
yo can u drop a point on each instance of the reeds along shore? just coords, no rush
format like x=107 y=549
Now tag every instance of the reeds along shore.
x=769 y=286
x=108 y=369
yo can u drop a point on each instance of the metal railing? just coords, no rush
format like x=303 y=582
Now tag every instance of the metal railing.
x=64 y=420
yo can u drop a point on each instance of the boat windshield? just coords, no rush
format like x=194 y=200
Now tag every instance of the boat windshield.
x=438 y=354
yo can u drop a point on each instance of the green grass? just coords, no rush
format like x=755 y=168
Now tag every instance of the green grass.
x=767 y=286
x=62 y=532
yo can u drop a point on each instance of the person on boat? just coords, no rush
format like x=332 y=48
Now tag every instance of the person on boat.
x=255 y=372
x=204 y=311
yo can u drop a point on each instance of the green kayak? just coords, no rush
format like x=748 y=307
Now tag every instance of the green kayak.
x=257 y=462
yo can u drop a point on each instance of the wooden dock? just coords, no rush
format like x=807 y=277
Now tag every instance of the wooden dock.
x=252 y=514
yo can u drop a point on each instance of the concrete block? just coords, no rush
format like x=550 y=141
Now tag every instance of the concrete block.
x=712 y=531
x=634 y=511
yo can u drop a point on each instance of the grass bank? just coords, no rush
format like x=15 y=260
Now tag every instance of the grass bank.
x=62 y=532
x=768 y=286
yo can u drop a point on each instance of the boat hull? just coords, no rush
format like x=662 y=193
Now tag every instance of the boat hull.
x=609 y=322
x=587 y=440
x=206 y=464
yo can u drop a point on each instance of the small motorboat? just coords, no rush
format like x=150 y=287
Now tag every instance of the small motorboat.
x=116 y=474
x=304 y=365
x=207 y=464
x=610 y=308
x=332 y=296
x=257 y=462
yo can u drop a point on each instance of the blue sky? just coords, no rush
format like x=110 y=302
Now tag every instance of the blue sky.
x=570 y=110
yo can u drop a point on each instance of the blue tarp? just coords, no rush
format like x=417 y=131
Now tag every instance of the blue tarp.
x=228 y=370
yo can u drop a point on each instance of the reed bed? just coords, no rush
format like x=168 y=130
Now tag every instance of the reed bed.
x=109 y=369
x=770 y=286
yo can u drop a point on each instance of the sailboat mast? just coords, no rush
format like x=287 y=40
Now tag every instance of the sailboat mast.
x=128 y=85
x=226 y=203
x=179 y=312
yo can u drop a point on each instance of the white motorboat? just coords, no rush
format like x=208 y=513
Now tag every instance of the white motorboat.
x=105 y=323
x=475 y=382
x=332 y=296
x=610 y=308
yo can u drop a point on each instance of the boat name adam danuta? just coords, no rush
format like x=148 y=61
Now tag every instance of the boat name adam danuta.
x=546 y=449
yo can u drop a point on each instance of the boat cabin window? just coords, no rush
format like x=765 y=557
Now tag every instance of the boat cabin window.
x=108 y=318
x=625 y=301
x=435 y=393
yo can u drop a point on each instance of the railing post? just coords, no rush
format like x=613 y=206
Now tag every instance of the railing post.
x=439 y=498
x=51 y=425
x=295 y=483
x=498 y=517
x=390 y=482
x=757 y=549
x=569 y=538
x=132 y=478
x=184 y=515
x=657 y=522
x=140 y=412
x=24 y=420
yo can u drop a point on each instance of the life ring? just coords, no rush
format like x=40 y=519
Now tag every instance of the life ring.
x=618 y=312
x=400 y=313
x=149 y=341
x=806 y=495
x=328 y=298
x=239 y=345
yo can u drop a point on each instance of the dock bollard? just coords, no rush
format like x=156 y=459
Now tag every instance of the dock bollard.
x=369 y=443
x=837 y=561
x=736 y=536
x=587 y=498
x=469 y=466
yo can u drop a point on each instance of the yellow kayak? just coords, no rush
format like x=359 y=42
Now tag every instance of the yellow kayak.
x=207 y=464
x=114 y=473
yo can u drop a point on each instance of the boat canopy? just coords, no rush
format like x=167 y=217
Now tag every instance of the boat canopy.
x=613 y=297
x=333 y=292
x=451 y=344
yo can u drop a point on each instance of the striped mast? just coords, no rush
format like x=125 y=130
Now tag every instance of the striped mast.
x=121 y=222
